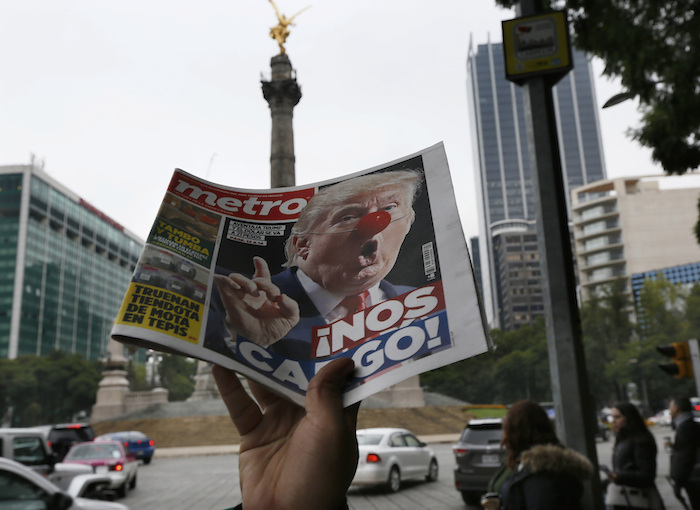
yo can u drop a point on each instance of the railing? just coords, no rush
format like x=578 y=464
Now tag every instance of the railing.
x=135 y=400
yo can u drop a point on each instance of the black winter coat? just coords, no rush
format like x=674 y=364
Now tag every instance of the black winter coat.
x=548 y=478
x=685 y=448
x=634 y=461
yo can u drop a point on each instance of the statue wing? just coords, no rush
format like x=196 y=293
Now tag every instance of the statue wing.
x=276 y=10
x=298 y=13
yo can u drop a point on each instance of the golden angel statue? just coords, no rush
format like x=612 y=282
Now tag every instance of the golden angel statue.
x=280 y=31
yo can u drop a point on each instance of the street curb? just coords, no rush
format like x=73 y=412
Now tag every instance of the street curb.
x=229 y=449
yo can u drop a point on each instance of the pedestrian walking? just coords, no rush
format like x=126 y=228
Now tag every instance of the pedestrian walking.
x=684 y=452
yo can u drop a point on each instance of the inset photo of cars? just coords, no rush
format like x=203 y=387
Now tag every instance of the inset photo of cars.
x=190 y=218
x=166 y=270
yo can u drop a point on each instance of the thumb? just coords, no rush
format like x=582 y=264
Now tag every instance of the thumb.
x=325 y=391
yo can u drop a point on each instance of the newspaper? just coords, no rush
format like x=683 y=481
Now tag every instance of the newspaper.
x=276 y=283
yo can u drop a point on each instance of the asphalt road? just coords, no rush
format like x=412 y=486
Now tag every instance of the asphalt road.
x=211 y=482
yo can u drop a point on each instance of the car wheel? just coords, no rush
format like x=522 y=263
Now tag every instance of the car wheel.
x=123 y=490
x=471 y=498
x=132 y=485
x=147 y=460
x=432 y=471
x=393 y=484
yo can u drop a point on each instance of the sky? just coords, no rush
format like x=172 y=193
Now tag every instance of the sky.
x=113 y=96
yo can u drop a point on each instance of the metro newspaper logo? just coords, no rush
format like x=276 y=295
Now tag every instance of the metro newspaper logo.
x=393 y=332
x=284 y=206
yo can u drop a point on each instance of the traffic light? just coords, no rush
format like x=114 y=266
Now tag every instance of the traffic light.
x=681 y=365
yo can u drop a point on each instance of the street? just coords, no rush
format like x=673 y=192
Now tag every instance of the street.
x=211 y=482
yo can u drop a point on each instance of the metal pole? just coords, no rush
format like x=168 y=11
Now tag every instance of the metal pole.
x=574 y=410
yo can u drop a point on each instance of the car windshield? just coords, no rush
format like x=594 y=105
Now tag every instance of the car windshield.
x=368 y=439
x=71 y=435
x=481 y=435
x=94 y=451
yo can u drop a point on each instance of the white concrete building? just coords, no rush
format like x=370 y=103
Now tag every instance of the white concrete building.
x=631 y=225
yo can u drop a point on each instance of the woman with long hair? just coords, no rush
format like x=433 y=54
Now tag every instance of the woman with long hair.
x=634 y=462
x=546 y=474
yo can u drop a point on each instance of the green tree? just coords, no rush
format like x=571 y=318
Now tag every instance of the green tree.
x=653 y=47
x=48 y=389
x=606 y=327
x=177 y=376
x=470 y=380
x=692 y=313
x=662 y=308
x=139 y=382
x=522 y=368
x=663 y=314
x=515 y=369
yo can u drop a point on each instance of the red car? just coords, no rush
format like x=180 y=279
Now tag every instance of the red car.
x=107 y=457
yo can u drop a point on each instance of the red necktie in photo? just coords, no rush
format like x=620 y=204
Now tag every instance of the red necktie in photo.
x=356 y=303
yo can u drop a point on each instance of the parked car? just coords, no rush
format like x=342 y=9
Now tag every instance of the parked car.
x=663 y=418
x=29 y=447
x=110 y=457
x=695 y=408
x=390 y=455
x=138 y=443
x=602 y=431
x=478 y=455
x=21 y=487
x=62 y=436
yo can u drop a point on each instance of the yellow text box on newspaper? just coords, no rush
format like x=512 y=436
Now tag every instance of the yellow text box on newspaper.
x=160 y=310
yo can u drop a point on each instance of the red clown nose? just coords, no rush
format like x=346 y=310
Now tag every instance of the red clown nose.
x=373 y=223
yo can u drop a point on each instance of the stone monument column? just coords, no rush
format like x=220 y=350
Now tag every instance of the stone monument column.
x=204 y=384
x=282 y=94
x=114 y=385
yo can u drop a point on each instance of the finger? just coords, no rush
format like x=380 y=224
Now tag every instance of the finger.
x=262 y=270
x=263 y=395
x=242 y=409
x=272 y=290
x=325 y=392
x=244 y=283
x=288 y=307
x=225 y=283
x=351 y=415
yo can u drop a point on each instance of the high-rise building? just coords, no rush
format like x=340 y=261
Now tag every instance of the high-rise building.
x=634 y=225
x=64 y=267
x=503 y=170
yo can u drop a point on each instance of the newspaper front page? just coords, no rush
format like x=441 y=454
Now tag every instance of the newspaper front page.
x=276 y=283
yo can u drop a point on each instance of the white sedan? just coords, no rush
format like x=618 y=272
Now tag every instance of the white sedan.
x=388 y=456
x=22 y=488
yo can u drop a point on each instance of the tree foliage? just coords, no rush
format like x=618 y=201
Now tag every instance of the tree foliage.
x=49 y=389
x=619 y=355
x=653 y=47
x=177 y=376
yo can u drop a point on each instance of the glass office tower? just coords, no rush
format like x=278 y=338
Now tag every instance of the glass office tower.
x=502 y=159
x=64 y=267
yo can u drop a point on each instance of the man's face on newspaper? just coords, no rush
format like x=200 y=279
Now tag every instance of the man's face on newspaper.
x=341 y=260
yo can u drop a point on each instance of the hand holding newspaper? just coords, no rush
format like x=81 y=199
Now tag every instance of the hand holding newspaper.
x=276 y=283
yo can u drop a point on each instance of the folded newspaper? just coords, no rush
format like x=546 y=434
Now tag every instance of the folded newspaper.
x=276 y=283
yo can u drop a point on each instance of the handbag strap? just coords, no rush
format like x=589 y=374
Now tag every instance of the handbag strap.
x=623 y=489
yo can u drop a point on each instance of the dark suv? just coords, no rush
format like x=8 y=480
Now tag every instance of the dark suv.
x=64 y=435
x=478 y=455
